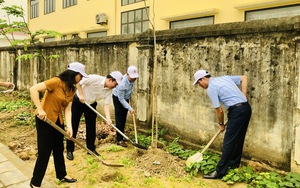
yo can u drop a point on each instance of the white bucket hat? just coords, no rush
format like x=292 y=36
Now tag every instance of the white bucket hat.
x=133 y=72
x=200 y=74
x=77 y=67
x=118 y=76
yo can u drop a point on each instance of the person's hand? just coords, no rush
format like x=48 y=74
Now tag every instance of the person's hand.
x=81 y=99
x=69 y=132
x=41 y=114
x=108 y=122
x=222 y=128
x=132 y=111
x=7 y=84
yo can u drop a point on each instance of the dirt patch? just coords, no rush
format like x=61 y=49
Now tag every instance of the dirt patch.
x=142 y=168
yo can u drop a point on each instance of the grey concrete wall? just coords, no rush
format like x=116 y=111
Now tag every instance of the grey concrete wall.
x=266 y=51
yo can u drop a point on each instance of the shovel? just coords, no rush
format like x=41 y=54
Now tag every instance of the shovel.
x=196 y=158
x=79 y=144
x=133 y=143
x=135 y=131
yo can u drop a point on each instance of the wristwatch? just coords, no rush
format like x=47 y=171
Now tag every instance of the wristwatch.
x=221 y=123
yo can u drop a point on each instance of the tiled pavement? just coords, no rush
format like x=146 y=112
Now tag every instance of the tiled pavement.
x=15 y=173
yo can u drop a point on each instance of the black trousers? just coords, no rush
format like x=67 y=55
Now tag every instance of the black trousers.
x=120 y=116
x=238 y=120
x=79 y=108
x=48 y=140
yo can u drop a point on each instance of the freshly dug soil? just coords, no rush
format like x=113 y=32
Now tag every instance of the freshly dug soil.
x=142 y=168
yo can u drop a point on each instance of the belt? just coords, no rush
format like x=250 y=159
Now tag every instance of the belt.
x=237 y=105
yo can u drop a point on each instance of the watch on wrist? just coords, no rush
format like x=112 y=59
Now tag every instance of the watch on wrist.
x=221 y=123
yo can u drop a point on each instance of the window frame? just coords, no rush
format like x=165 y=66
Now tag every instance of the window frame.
x=34 y=9
x=265 y=9
x=49 y=39
x=205 y=17
x=49 y=6
x=123 y=3
x=135 y=22
x=95 y=33
x=68 y=3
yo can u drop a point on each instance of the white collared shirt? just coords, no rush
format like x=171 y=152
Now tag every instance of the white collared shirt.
x=93 y=89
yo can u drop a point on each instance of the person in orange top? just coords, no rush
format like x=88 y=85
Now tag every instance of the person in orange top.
x=58 y=96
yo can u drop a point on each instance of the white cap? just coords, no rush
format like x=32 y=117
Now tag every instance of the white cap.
x=118 y=76
x=133 y=72
x=77 y=67
x=200 y=74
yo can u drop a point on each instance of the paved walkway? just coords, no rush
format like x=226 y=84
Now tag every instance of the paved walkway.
x=15 y=173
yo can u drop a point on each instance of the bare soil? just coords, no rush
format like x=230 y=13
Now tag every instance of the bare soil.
x=142 y=168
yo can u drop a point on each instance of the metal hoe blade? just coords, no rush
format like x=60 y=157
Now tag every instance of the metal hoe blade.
x=79 y=144
x=196 y=158
x=126 y=137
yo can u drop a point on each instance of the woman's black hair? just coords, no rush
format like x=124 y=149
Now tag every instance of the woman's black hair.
x=68 y=76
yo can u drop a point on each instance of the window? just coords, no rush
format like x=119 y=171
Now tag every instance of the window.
x=277 y=12
x=69 y=3
x=49 y=6
x=97 y=34
x=74 y=36
x=135 y=21
x=34 y=9
x=49 y=39
x=64 y=37
x=192 y=22
x=127 y=2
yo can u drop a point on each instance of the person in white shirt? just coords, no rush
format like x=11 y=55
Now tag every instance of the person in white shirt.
x=94 y=88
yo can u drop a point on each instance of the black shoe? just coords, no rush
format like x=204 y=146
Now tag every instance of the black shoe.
x=71 y=180
x=122 y=143
x=70 y=155
x=95 y=152
x=213 y=175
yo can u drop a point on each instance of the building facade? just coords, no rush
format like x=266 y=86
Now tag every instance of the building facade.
x=96 y=18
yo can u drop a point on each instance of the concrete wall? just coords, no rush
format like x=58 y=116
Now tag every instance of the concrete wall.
x=266 y=51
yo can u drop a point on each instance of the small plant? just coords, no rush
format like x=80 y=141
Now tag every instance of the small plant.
x=115 y=148
x=176 y=149
x=144 y=140
x=127 y=162
x=10 y=106
x=22 y=119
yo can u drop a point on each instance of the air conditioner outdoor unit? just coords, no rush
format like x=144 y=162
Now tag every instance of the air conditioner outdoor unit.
x=101 y=18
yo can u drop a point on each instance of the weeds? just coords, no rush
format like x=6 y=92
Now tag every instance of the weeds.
x=10 y=106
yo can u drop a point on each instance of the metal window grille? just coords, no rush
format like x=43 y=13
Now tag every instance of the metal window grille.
x=192 y=22
x=49 y=6
x=135 y=21
x=34 y=9
x=127 y=2
x=69 y=3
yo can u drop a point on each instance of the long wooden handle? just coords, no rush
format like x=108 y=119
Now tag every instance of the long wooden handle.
x=211 y=141
x=135 y=131
x=126 y=137
x=79 y=144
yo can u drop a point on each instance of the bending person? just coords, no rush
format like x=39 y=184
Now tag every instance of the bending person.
x=94 y=88
x=225 y=90
x=121 y=96
x=58 y=96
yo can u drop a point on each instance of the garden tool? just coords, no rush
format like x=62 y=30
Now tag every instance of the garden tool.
x=9 y=90
x=134 y=126
x=196 y=158
x=79 y=144
x=135 y=131
x=133 y=143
